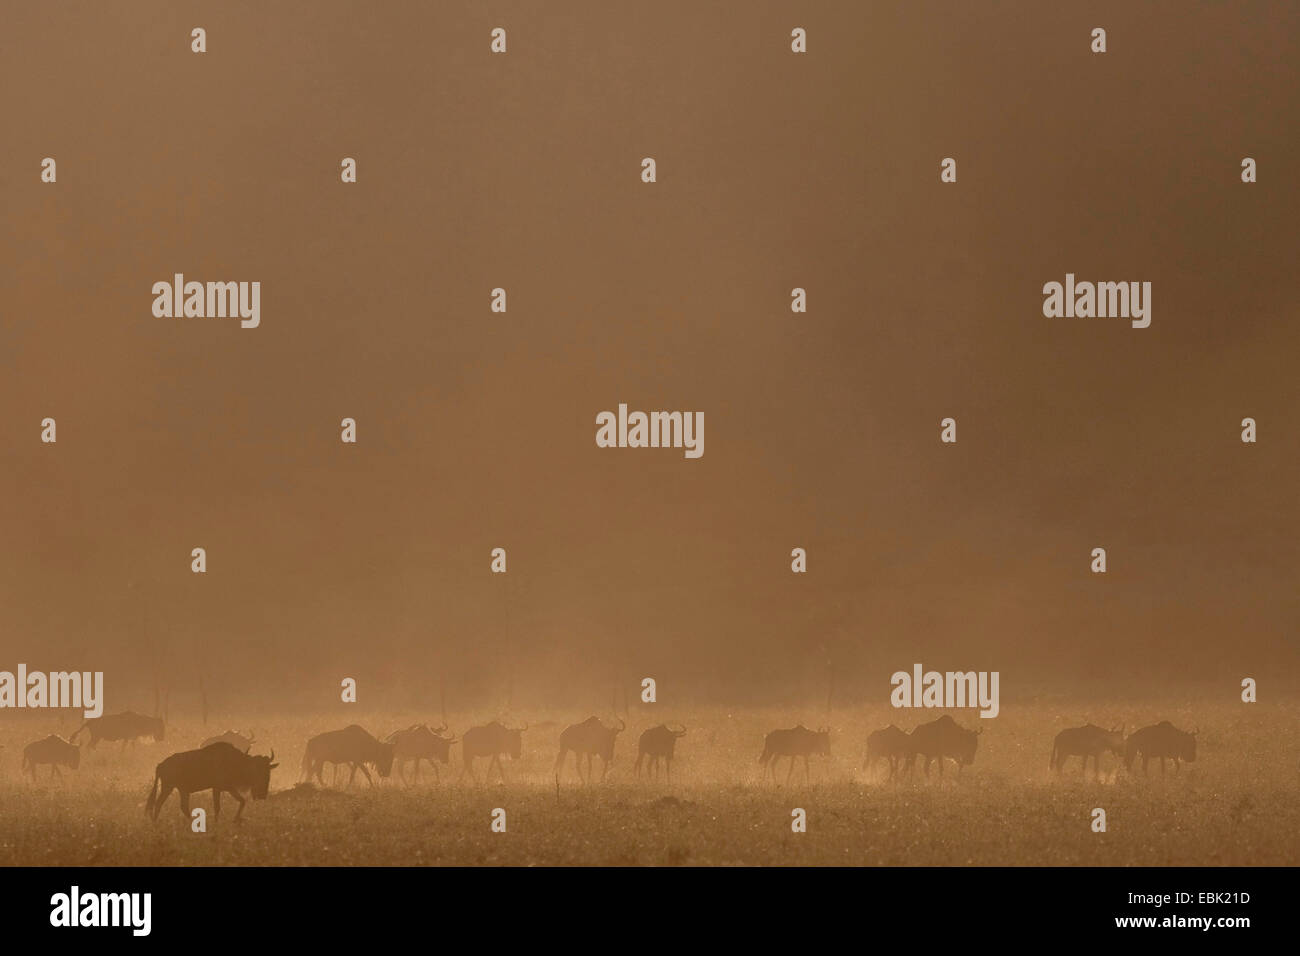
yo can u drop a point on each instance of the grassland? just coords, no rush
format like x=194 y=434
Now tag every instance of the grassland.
x=1238 y=804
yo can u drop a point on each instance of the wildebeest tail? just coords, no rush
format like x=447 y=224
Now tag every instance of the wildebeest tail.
x=152 y=800
x=1051 y=764
x=84 y=725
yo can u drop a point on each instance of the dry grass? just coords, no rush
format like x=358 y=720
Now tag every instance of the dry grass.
x=1236 y=805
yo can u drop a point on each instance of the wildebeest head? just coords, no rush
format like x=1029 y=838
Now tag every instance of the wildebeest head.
x=607 y=743
x=966 y=744
x=261 y=775
x=384 y=758
x=515 y=741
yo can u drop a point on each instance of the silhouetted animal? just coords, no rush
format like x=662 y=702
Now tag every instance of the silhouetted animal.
x=352 y=745
x=232 y=737
x=798 y=741
x=890 y=744
x=657 y=743
x=219 y=768
x=588 y=738
x=52 y=750
x=1087 y=741
x=944 y=738
x=420 y=742
x=490 y=740
x=1160 y=740
x=127 y=727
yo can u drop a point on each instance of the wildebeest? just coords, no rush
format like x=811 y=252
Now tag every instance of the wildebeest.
x=126 y=727
x=232 y=737
x=657 y=743
x=941 y=738
x=890 y=744
x=352 y=745
x=1087 y=741
x=1160 y=740
x=218 y=768
x=798 y=741
x=420 y=742
x=52 y=750
x=588 y=738
x=490 y=740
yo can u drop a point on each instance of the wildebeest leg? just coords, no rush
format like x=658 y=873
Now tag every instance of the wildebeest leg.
x=216 y=804
x=56 y=772
x=369 y=779
x=185 y=804
x=805 y=768
x=789 y=772
x=157 y=807
x=240 y=811
x=1162 y=766
x=1178 y=765
x=668 y=769
x=495 y=762
x=1145 y=761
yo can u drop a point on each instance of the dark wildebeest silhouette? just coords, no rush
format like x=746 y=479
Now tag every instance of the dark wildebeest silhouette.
x=127 y=727
x=218 y=768
x=586 y=739
x=490 y=740
x=657 y=743
x=352 y=745
x=796 y=742
x=232 y=737
x=420 y=742
x=944 y=738
x=890 y=744
x=1087 y=741
x=1160 y=740
x=52 y=750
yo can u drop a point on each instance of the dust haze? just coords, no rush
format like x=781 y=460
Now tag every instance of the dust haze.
x=476 y=430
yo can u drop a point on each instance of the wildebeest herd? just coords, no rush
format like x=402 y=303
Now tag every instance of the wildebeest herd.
x=223 y=764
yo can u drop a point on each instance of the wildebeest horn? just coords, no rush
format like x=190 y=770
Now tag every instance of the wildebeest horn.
x=272 y=755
